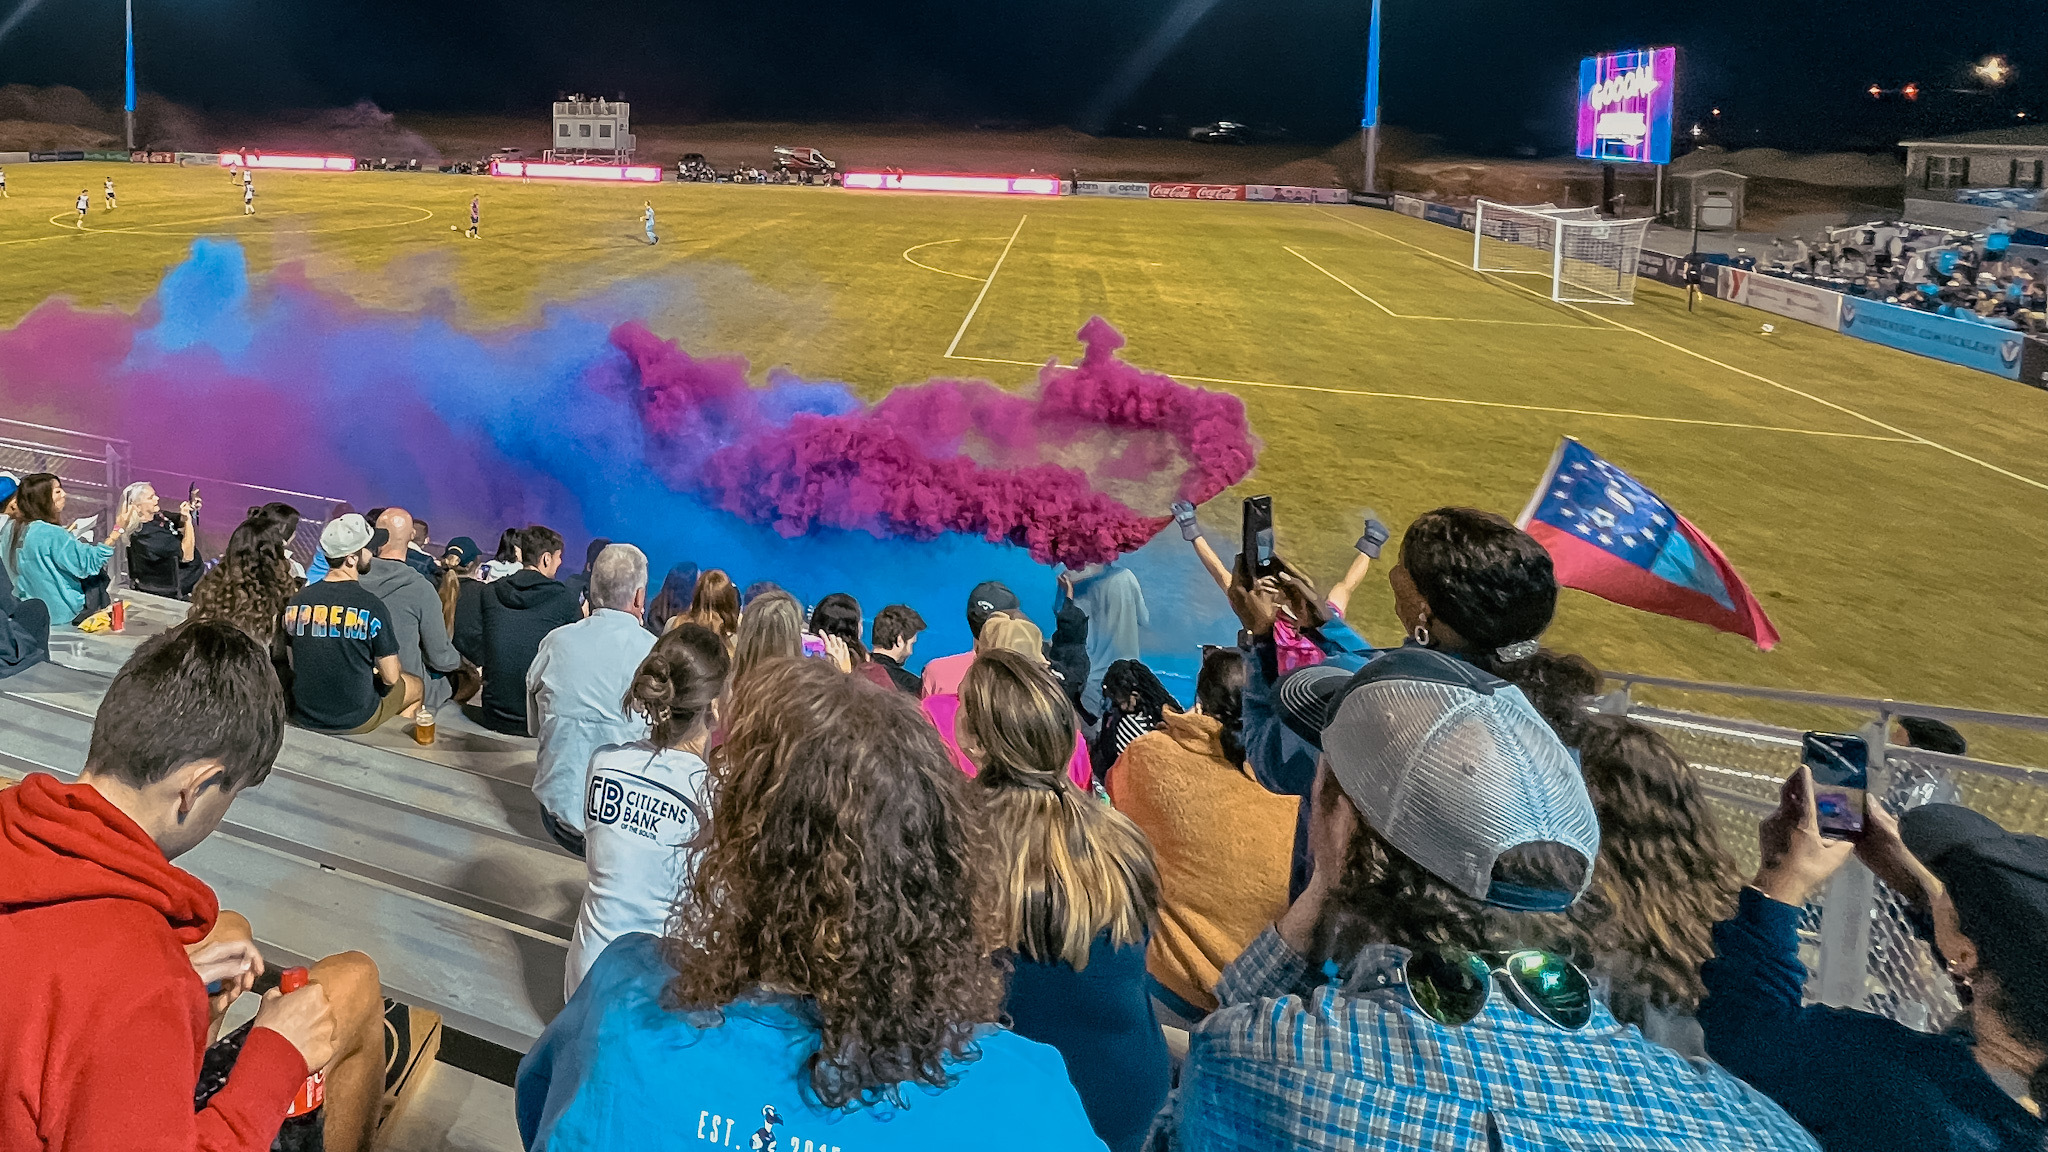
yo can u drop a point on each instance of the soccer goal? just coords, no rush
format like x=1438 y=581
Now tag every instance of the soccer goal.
x=1589 y=260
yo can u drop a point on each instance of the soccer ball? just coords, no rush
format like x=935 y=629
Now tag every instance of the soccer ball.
x=452 y=228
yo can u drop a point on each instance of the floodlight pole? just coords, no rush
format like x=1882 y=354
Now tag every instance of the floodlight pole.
x=130 y=107
x=1370 y=141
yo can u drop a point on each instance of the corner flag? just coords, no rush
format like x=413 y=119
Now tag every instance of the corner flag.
x=1609 y=535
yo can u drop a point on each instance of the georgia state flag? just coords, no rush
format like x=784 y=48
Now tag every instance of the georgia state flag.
x=1609 y=535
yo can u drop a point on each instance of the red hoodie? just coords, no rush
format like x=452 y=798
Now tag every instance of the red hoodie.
x=102 y=1019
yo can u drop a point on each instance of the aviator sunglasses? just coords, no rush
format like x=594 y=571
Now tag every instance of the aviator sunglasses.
x=1450 y=985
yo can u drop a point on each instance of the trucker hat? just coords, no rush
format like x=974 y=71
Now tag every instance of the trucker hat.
x=344 y=536
x=988 y=598
x=1998 y=881
x=1453 y=767
x=1015 y=634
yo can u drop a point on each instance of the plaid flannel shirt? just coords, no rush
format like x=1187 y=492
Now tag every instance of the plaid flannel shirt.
x=1271 y=1071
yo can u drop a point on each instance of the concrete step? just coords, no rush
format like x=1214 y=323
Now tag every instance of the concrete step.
x=454 y=1111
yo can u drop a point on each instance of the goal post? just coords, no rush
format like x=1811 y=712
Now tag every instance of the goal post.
x=1588 y=260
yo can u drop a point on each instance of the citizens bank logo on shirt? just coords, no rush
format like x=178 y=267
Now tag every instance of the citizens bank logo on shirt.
x=717 y=1130
x=330 y=620
x=641 y=806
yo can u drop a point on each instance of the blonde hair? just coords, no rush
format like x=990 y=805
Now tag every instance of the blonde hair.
x=1068 y=867
x=1012 y=634
x=771 y=628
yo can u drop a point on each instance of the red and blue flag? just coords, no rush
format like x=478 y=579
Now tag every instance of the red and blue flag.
x=1609 y=535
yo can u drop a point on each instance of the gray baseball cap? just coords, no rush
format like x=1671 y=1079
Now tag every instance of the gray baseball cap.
x=1454 y=767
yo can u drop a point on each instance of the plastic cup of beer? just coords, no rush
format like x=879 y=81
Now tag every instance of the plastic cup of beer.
x=423 y=726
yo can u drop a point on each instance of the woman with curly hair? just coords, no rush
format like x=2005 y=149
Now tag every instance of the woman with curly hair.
x=1660 y=883
x=828 y=965
x=250 y=585
x=1077 y=895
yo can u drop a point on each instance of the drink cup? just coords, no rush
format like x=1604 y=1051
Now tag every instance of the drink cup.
x=423 y=726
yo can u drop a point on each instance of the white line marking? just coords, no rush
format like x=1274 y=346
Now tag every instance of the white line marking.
x=1451 y=319
x=983 y=294
x=1484 y=403
x=929 y=268
x=1914 y=437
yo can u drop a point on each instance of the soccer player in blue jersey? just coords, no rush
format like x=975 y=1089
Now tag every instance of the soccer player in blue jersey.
x=476 y=216
x=647 y=218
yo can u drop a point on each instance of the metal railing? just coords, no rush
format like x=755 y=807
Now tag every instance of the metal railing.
x=1856 y=938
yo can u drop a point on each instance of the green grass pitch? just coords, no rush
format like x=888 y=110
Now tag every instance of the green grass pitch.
x=1891 y=512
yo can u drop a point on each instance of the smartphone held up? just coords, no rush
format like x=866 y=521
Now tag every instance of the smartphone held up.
x=1260 y=558
x=1840 y=765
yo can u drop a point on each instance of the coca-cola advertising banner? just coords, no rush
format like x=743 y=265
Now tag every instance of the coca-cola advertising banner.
x=1197 y=191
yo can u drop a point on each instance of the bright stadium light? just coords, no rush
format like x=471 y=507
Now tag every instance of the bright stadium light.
x=1993 y=70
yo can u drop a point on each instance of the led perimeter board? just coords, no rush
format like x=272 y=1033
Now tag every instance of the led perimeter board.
x=1625 y=106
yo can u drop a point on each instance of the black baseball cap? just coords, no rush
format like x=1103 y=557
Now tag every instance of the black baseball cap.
x=988 y=598
x=1998 y=881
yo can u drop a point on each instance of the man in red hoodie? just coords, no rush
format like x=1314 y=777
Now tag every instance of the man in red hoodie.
x=107 y=949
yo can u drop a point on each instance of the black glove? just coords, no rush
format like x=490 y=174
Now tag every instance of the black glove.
x=1184 y=515
x=1376 y=534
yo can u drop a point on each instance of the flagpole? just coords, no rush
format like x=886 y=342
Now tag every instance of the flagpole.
x=1371 y=121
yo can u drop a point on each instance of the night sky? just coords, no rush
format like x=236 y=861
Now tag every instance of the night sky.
x=1486 y=75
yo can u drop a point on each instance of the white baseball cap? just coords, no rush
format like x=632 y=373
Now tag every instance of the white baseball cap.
x=344 y=536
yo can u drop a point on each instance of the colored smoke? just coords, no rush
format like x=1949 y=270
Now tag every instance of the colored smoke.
x=798 y=457
x=589 y=422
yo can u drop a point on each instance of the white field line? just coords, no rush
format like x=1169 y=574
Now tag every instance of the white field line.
x=983 y=294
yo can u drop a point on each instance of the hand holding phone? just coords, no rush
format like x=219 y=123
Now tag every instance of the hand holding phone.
x=1840 y=764
x=1258 y=537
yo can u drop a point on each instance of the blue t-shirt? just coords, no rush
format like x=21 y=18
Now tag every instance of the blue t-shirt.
x=616 y=1070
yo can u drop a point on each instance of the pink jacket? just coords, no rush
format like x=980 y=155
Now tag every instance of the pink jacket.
x=944 y=711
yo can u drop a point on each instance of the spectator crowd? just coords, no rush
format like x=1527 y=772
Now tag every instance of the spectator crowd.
x=1414 y=895
x=1967 y=276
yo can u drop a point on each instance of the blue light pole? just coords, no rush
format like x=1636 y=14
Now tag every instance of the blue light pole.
x=1371 y=122
x=131 y=73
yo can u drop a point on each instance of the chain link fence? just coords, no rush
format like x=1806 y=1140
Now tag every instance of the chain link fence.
x=1858 y=940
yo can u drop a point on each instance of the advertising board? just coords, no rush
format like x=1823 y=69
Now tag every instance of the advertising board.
x=1128 y=189
x=1408 y=206
x=1197 y=191
x=952 y=182
x=1625 y=106
x=1965 y=342
x=1295 y=194
x=1817 y=306
x=1662 y=268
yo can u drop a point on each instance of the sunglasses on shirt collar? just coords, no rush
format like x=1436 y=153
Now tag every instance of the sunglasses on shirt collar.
x=1451 y=985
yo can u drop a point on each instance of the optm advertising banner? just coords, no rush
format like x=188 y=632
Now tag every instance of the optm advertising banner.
x=1126 y=189
x=1964 y=342
x=1197 y=191
x=1661 y=268
x=1816 y=306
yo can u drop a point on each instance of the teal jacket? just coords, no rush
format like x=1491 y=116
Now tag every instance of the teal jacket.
x=616 y=1070
x=50 y=565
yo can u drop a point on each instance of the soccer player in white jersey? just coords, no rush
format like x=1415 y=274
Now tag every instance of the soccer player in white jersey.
x=110 y=193
x=84 y=203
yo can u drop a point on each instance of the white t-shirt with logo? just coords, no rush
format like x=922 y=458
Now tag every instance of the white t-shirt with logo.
x=642 y=805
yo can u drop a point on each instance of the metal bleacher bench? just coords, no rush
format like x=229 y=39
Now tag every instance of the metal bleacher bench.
x=433 y=862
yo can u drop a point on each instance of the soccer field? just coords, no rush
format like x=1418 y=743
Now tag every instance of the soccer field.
x=1890 y=511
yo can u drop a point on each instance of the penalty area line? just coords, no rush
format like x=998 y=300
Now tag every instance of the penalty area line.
x=983 y=294
x=1587 y=412
x=1349 y=287
x=1910 y=437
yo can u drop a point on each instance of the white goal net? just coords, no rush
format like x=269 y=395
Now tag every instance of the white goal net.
x=1589 y=260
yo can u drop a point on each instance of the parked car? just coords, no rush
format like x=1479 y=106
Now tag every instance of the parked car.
x=1221 y=132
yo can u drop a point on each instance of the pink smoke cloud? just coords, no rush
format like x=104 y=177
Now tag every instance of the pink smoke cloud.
x=903 y=467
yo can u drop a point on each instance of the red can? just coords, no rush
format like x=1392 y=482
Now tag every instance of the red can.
x=118 y=616
x=313 y=1092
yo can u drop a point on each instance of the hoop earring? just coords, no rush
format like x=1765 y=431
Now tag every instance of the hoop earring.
x=1420 y=634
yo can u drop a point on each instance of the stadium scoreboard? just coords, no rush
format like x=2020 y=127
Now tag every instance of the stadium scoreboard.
x=1625 y=106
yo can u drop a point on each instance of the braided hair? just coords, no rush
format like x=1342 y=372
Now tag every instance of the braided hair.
x=1219 y=693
